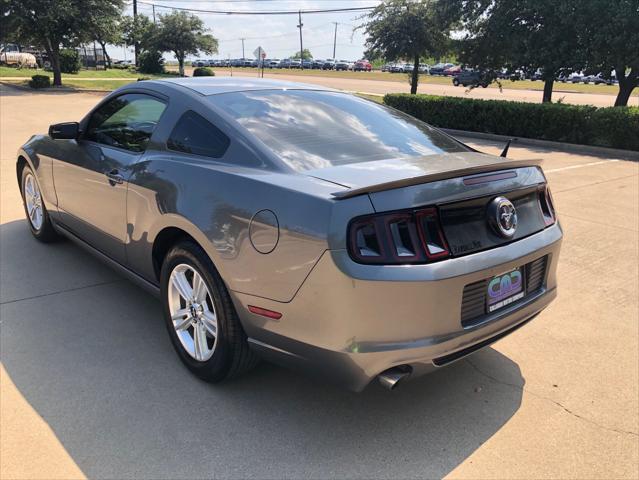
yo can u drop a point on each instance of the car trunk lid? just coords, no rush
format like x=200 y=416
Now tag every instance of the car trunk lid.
x=461 y=186
x=381 y=175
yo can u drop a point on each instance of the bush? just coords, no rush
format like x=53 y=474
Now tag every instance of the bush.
x=69 y=61
x=150 y=62
x=616 y=127
x=40 y=81
x=203 y=72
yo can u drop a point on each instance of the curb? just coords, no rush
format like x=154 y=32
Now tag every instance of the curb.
x=563 y=147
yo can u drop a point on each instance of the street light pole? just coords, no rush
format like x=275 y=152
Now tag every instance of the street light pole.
x=243 y=57
x=334 y=40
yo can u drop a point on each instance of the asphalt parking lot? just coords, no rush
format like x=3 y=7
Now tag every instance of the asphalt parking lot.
x=90 y=385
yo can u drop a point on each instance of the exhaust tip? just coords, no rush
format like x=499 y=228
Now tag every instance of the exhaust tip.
x=391 y=378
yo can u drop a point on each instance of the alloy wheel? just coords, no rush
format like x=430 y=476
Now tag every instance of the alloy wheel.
x=33 y=200
x=192 y=312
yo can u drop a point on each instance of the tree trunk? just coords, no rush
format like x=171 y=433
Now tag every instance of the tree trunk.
x=626 y=85
x=180 y=60
x=414 y=79
x=53 y=52
x=548 y=84
x=106 y=55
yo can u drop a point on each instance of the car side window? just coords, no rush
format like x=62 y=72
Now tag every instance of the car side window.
x=194 y=134
x=126 y=121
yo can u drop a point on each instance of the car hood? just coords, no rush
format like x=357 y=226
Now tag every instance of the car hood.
x=368 y=177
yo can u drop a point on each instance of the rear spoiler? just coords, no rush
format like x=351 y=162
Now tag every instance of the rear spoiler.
x=434 y=177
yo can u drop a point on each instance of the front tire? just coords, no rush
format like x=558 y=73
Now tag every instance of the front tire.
x=455 y=82
x=200 y=318
x=37 y=215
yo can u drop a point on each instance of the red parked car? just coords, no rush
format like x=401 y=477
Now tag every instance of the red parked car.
x=452 y=71
x=362 y=66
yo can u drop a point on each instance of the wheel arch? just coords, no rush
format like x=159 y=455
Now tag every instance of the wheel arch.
x=164 y=241
x=20 y=164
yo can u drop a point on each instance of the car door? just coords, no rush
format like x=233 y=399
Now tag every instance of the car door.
x=91 y=184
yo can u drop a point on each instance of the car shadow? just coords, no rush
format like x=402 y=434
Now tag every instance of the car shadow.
x=96 y=364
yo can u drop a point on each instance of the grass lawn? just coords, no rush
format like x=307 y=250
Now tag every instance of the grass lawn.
x=400 y=77
x=103 y=85
x=86 y=74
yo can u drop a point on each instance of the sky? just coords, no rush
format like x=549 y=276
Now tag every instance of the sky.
x=278 y=35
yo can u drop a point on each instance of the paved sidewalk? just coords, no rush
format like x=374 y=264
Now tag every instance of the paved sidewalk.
x=90 y=385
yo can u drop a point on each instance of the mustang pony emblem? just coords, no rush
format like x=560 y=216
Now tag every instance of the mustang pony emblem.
x=502 y=216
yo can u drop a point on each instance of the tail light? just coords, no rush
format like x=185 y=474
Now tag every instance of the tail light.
x=397 y=238
x=546 y=205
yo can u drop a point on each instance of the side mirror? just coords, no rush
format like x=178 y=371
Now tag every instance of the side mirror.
x=64 y=131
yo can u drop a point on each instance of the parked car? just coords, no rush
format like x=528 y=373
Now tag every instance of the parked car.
x=423 y=68
x=598 y=79
x=199 y=63
x=575 y=77
x=307 y=64
x=438 y=68
x=329 y=64
x=343 y=65
x=295 y=64
x=452 y=71
x=470 y=78
x=386 y=67
x=271 y=62
x=397 y=68
x=317 y=64
x=213 y=217
x=362 y=66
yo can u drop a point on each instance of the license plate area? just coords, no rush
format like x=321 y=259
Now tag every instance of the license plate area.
x=505 y=289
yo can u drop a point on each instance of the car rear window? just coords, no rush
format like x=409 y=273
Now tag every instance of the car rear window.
x=194 y=134
x=315 y=129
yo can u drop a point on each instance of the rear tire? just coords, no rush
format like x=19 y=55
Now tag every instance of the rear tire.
x=34 y=209
x=456 y=82
x=222 y=355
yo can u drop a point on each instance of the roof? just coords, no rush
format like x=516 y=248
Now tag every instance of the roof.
x=217 y=85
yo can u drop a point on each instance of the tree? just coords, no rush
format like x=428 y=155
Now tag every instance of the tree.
x=183 y=34
x=306 y=53
x=106 y=28
x=528 y=34
x=611 y=41
x=407 y=29
x=50 y=24
x=140 y=29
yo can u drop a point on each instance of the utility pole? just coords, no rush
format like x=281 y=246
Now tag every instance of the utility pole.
x=136 y=45
x=135 y=40
x=335 y=40
x=243 y=57
x=301 y=45
x=153 y=4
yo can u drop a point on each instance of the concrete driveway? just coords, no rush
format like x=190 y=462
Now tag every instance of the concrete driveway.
x=90 y=386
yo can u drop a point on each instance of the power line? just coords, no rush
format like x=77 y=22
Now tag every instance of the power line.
x=261 y=12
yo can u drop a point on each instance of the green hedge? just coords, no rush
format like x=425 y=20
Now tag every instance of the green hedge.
x=150 y=62
x=616 y=127
x=203 y=72
x=40 y=81
x=69 y=61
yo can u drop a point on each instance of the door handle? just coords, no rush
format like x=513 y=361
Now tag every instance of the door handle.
x=114 y=177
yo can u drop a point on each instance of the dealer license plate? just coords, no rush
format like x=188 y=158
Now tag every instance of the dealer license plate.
x=505 y=289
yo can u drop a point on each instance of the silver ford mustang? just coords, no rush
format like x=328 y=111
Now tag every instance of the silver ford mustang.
x=305 y=226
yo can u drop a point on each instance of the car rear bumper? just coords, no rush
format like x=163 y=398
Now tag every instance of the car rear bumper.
x=351 y=322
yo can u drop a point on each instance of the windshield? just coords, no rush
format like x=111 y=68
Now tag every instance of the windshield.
x=314 y=129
